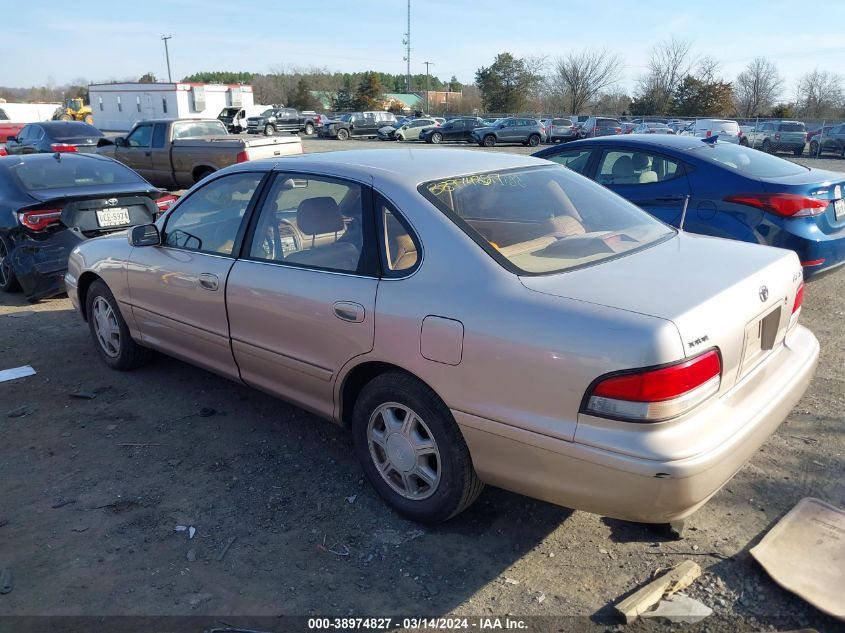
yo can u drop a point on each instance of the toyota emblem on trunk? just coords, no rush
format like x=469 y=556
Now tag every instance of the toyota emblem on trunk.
x=764 y=293
x=113 y=201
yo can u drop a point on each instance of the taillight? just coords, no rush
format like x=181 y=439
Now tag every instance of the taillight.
x=164 y=202
x=318 y=120
x=709 y=134
x=242 y=157
x=653 y=395
x=40 y=219
x=799 y=299
x=777 y=137
x=788 y=205
x=3 y=151
x=63 y=147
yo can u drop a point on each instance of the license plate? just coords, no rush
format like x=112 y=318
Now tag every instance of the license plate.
x=761 y=335
x=113 y=217
x=839 y=209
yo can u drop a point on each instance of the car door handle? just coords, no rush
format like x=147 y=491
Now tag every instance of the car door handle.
x=349 y=311
x=209 y=281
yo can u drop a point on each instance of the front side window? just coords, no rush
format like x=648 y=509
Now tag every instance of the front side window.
x=631 y=167
x=313 y=222
x=140 y=136
x=543 y=219
x=210 y=218
x=576 y=159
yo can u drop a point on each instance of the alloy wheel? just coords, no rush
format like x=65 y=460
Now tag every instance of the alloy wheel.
x=404 y=451
x=5 y=266
x=106 y=327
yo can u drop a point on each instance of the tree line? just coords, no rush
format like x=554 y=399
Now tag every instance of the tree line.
x=676 y=82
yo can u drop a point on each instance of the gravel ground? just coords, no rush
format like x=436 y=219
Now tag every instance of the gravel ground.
x=92 y=490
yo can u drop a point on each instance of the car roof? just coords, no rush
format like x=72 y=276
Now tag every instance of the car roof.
x=646 y=140
x=403 y=167
x=8 y=161
x=58 y=125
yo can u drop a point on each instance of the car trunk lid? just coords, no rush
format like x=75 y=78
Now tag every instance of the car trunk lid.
x=819 y=184
x=719 y=293
x=95 y=215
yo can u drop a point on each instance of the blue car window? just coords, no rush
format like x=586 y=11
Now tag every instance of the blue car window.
x=576 y=160
x=632 y=167
x=746 y=161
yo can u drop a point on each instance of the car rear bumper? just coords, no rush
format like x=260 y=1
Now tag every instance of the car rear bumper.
x=819 y=245
x=613 y=484
x=40 y=265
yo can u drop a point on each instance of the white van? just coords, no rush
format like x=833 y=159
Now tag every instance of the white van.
x=725 y=129
x=234 y=118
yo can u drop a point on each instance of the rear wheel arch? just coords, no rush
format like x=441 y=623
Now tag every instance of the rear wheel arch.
x=358 y=377
x=201 y=171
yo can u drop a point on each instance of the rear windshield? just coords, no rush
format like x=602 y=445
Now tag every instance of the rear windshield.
x=792 y=127
x=542 y=220
x=565 y=122
x=229 y=111
x=607 y=123
x=72 y=129
x=726 y=126
x=35 y=175
x=746 y=161
x=193 y=129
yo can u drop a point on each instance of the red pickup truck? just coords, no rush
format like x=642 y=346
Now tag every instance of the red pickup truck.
x=7 y=128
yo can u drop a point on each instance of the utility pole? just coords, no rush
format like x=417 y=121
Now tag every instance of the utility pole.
x=407 y=58
x=164 y=39
x=427 y=86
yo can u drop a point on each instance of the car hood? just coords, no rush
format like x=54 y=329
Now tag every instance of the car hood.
x=710 y=288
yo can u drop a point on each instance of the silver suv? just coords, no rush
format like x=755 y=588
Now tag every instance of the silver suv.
x=778 y=136
x=510 y=130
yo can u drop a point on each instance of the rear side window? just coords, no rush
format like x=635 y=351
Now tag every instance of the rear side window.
x=69 y=173
x=792 y=127
x=190 y=129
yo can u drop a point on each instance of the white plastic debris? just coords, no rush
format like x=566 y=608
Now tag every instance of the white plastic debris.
x=16 y=372
x=191 y=531
x=180 y=528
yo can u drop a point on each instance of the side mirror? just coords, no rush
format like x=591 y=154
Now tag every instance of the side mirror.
x=501 y=126
x=144 y=235
x=120 y=141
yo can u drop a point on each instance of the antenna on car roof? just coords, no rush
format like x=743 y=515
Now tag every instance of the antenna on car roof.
x=684 y=212
x=710 y=140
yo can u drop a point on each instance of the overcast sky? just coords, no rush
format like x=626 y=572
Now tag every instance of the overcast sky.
x=115 y=39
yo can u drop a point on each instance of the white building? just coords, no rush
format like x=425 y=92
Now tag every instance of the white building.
x=27 y=112
x=117 y=107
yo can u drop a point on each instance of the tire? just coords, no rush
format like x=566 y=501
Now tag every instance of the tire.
x=437 y=138
x=452 y=484
x=798 y=151
x=89 y=119
x=309 y=129
x=766 y=146
x=488 y=141
x=8 y=282
x=744 y=142
x=65 y=117
x=814 y=149
x=398 y=137
x=109 y=331
x=202 y=175
x=342 y=135
x=534 y=140
x=269 y=130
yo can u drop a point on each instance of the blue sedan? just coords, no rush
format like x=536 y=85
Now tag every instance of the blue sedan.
x=734 y=192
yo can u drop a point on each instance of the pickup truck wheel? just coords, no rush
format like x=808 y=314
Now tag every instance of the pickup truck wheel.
x=489 y=141
x=269 y=130
x=309 y=129
x=8 y=282
x=110 y=332
x=342 y=134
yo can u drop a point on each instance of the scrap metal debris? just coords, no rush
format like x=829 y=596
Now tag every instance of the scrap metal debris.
x=226 y=547
x=679 y=608
x=83 y=395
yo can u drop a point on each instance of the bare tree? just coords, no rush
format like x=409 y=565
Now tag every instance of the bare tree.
x=757 y=87
x=582 y=76
x=820 y=93
x=669 y=63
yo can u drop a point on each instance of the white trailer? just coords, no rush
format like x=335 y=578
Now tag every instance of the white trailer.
x=118 y=106
x=27 y=112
